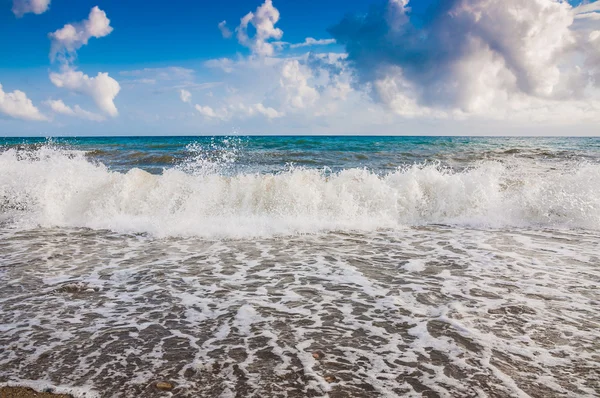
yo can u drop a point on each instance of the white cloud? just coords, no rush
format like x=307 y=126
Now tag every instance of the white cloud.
x=225 y=30
x=238 y=111
x=196 y=86
x=225 y=64
x=270 y=113
x=294 y=81
x=185 y=95
x=209 y=112
x=258 y=109
x=309 y=41
x=102 y=89
x=58 y=106
x=22 y=7
x=71 y=37
x=586 y=7
x=263 y=20
x=395 y=93
x=166 y=73
x=304 y=87
x=165 y=79
x=523 y=62
x=475 y=57
x=250 y=64
x=17 y=105
x=132 y=82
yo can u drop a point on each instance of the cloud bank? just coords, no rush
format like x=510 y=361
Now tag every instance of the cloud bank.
x=470 y=56
x=294 y=79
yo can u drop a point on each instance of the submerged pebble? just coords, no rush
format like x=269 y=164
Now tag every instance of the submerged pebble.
x=163 y=385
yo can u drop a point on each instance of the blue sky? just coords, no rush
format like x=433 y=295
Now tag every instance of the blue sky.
x=155 y=32
x=331 y=67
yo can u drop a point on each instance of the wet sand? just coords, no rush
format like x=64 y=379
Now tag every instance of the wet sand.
x=22 y=392
x=433 y=311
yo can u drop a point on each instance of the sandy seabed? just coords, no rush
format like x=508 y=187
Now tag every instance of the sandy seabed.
x=22 y=392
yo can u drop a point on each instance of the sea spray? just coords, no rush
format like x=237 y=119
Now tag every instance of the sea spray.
x=53 y=187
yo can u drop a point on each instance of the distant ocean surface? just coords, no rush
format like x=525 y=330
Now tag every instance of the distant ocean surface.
x=301 y=266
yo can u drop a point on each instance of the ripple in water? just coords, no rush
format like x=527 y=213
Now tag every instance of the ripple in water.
x=214 y=268
x=428 y=311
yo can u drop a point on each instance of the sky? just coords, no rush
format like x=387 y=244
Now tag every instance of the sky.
x=392 y=67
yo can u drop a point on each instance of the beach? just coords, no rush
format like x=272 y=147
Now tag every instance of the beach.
x=386 y=267
x=22 y=392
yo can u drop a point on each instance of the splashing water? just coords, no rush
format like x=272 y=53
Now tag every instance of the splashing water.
x=204 y=196
x=236 y=267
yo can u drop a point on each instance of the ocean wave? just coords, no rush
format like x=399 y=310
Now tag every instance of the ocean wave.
x=48 y=186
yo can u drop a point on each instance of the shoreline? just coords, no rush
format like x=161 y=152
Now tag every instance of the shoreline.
x=433 y=310
x=26 y=392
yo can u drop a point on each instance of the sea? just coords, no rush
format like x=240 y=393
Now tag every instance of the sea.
x=300 y=266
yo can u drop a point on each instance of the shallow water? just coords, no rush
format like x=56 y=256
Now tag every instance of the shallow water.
x=478 y=279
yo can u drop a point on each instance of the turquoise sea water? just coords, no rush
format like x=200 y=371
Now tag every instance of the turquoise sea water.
x=271 y=154
x=301 y=266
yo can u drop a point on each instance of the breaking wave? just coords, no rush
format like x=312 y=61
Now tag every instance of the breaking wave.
x=49 y=186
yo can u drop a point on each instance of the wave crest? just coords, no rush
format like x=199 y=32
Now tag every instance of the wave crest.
x=49 y=186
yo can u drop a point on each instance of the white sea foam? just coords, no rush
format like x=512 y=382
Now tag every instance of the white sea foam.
x=54 y=187
x=458 y=312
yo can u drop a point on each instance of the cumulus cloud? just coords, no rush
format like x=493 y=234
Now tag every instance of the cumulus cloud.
x=469 y=55
x=16 y=104
x=102 y=89
x=587 y=21
x=209 y=112
x=22 y=7
x=268 y=112
x=185 y=96
x=309 y=41
x=58 y=106
x=71 y=37
x=588 y=7
x=225 y=32
x=303 y=87
x=294 y=82
x=319 y=85
x=263 y=21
